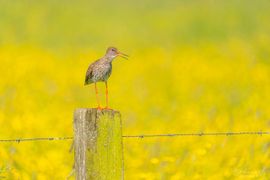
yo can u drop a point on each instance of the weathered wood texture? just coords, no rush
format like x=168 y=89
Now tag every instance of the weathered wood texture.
x=98 y=144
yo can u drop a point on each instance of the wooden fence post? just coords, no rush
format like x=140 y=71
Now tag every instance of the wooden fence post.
x=98 y=144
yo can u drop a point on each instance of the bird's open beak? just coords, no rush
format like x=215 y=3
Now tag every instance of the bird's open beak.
x=122 y=55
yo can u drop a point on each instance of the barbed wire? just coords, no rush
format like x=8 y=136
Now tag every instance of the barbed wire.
x=200 y=134
x=18 y=140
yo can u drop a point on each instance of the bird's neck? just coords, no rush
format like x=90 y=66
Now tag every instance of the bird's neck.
x=108 y=58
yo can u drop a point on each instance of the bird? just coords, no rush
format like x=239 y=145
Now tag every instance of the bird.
x=100 y=71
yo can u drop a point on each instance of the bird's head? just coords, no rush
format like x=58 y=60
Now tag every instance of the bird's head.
x=113 y=52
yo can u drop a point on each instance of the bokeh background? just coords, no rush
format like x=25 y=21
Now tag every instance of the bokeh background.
x=195 y=66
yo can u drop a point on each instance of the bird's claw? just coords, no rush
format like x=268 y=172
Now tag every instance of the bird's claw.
x=107 y=108
x=104 y=108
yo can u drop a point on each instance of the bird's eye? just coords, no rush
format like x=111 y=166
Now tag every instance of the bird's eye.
x=113 y=49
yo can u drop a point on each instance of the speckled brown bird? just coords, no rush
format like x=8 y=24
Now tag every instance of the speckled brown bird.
x=101 y=69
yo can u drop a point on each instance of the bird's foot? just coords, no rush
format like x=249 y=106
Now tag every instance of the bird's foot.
x=107 y=108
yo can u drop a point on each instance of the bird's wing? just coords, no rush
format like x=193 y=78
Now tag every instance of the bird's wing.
x=89 y=72
x=89 y=75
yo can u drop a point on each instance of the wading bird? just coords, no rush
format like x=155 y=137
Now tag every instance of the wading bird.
x=100 y=71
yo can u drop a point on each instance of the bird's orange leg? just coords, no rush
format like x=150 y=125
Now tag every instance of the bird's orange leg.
x=97 y=96
x=107 y=98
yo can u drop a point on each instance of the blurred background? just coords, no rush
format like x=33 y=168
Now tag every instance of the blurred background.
x=195 y=66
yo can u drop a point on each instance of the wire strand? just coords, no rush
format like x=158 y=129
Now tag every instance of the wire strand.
x=18 y=140
x=200 y=134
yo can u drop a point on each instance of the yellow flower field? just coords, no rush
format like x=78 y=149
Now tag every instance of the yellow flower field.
x=195 y=66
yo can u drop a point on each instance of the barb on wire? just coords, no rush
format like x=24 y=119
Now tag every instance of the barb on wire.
x=18 y=140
